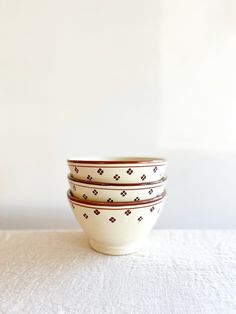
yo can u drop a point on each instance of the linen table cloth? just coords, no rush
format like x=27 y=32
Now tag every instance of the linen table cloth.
x=175 y=272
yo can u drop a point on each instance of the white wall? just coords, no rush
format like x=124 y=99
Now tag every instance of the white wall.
x=117 y=78
x=197 y=128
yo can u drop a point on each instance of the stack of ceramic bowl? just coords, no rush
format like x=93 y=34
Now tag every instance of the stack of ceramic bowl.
x=117 y=201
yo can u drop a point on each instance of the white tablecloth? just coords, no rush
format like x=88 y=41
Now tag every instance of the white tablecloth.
x=176 y=272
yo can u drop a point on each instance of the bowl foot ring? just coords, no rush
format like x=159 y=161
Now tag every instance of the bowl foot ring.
x=116 y=250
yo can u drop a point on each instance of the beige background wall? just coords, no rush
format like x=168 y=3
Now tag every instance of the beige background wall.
x=129 y=77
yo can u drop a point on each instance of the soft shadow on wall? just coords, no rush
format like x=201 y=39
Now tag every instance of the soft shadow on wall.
x=201 y=190
x=201 y=194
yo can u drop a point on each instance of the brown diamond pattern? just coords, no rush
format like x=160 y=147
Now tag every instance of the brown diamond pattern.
x=85 y=196
x=140 y=218
x=100 y=171
x=112 y=219
x=72 y=205
x=74 y=187
x=137 y=199
x=129 y=171
x=155 y=169
x=85 y=216
x=128 y=212
x=96 y=212
x=110 y=200
x=150 y=191
x=123 y=193
x=152 y=209
x=116 y=177
x=143 y=177
x=95 y=192
x=89 y=177
x=76 y=170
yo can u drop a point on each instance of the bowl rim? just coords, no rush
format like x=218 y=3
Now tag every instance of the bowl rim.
x=160 y=182
x=113 y=205
x=119 y=160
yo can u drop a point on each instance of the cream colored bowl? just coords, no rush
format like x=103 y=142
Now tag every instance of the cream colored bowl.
x=105 y=192
x=117 y=228
x=118 y=170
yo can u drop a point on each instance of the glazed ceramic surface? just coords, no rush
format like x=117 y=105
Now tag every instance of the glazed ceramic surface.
x=116 y=193
x=117 y=228
x=126 y=170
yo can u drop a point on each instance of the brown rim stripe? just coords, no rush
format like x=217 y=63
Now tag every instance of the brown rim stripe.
x=110 y=206
x=95 y=183
x=130 y=208
x=119 y=167
x=145 y=160
x=109 y=189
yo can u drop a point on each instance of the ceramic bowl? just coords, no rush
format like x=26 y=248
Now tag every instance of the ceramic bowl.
x=105 y=192
x=117 y=228
x=118 y=170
